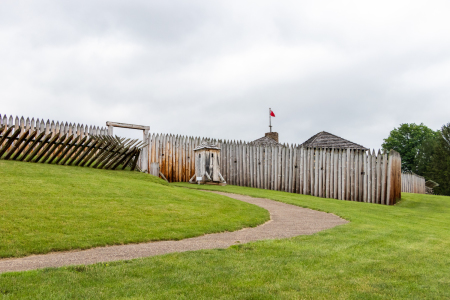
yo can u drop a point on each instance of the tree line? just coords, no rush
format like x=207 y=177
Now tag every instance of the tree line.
x=424 y=151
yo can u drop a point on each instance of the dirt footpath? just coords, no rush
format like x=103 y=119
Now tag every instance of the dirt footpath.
x=285 y=221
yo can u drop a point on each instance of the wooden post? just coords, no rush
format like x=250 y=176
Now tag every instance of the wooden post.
x=383 y=178
x=339 y=174
x=352 y=175
x=366 y=170
x=374 y=178
x=327 y=173
x=378 y=178
x=280 y=168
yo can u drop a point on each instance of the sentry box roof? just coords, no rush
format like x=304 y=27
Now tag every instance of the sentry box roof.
x=206 y=145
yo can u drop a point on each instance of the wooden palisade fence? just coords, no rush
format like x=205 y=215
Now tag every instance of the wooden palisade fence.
x=344 y=174
x=413 y=183
x=65 y=144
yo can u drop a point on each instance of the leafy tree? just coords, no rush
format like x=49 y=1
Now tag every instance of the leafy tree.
x=424 y=155
x=438 y=169
x=407 y=140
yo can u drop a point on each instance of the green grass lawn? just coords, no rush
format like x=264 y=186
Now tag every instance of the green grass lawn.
x=47 y=208
x=385 y=252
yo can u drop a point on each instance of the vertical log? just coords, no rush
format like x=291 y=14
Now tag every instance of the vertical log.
x=352 y=175
x=237 y=163
x=383 y=177
x=258 y=167
x=243 y=164
x=249 y=165
x=378 y=178
x=300 y=155
x=261 y=167
x=312 y=171
x=319 y=172
x=272 y=167
x=316 y=172
x=183 y=160
x=169 y=162
x=339 y=174
x=223 y=165
x=356 y=176
x=306 y=173
x=343 y=174
x=265 y=165
x=163 y=154
x=275 y=168
x=373 y=175
x=279 y=168
x=283 y=169
x=22 y=124
x=327 y=173
x=268 y=156
x=298 y=169
x=240 y=163
x=365 y=182
x=361 y=175
x=291 y=167
x=389 y=179
x=332 y=173
x=230 y=163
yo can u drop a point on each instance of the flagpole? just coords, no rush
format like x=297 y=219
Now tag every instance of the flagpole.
x=270 y=120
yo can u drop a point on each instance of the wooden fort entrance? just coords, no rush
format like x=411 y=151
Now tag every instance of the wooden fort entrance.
x=145 y=129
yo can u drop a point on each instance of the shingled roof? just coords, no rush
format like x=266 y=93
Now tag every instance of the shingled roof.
x=327 y=140
x=265 y=141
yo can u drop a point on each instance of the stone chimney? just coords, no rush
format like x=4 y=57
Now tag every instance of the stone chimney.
x=272 y=135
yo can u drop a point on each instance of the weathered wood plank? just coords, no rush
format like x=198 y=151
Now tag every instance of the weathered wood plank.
x=378 y=178
x=73 y=150
x=98 y=159
x=373 y=184
x=327 y=173
x=38 y=147
x=383 y=177
x=3 y=138
x=9 y=142
x=54 y=147
x=365 y=182
x=16 y=145
x=46 y=148
x=340 y=178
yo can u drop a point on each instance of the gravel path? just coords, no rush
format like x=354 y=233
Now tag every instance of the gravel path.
x=285 y=221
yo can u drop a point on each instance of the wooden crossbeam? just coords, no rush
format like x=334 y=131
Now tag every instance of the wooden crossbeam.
x=8 y=143
x=16 y=145
x=46 y=148
x=32 y=144
x=52 y=149
x=61 y=149
x=67 y=149
x=38 y=147
x=72 y=151
x=24 y=144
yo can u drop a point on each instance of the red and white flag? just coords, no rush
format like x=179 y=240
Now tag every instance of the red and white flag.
x=272 y=114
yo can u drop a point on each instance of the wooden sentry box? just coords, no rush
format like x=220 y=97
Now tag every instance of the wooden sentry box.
x=207 y=164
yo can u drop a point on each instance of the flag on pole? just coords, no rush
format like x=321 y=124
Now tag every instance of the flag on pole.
x=272 y=114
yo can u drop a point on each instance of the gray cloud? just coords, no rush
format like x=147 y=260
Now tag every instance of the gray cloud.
x=214 y=68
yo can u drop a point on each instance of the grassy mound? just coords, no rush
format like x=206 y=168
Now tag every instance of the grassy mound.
x=385 y=252
x=47 y=208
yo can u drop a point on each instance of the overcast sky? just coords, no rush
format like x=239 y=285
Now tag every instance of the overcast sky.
x=356 y=69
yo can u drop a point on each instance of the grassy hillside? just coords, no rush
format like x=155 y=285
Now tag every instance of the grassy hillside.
x=385 y=252
x=47 y=208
